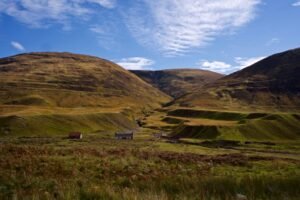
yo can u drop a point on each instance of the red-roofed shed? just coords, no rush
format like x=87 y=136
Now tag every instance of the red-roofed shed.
x=75 y=135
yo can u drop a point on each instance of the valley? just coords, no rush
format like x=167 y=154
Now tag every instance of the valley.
x=196 y=136
x=200 y=154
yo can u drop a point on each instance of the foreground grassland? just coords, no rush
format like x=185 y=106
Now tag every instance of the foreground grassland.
x=208 y=154
x=99 y=167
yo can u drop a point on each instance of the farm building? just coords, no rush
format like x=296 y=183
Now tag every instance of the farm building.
x=75 y=135
x=124 y=135
x=160 y=135
x=157 y=135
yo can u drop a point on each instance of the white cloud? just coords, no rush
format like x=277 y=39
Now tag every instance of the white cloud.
x=177 y=26
x=98 y=29
x=104 y=3
x=17 y=46
x=246 y=62
x=272 y=41
x=216 y=66
x=296 y=3
x=226 y=68
x=42 y=13
x=135 y=63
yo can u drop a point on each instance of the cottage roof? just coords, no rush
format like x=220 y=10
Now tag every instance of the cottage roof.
x=124 y=133
x=74 y=134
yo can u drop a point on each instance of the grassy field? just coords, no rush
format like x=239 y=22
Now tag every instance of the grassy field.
x=211 y=154
x=99 y=167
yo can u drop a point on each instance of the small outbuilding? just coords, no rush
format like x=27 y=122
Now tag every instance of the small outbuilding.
x=124 y=135
x=157 y=135
x=75 y=135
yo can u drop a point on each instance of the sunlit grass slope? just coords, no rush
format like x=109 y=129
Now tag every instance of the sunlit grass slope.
x=54 y=93
x=61 y=124
x=72 y=80
x=210 y=124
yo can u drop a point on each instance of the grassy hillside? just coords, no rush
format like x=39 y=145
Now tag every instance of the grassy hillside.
x=55 y=93
x=271 y=84
x=72 y=80
x=176 y=82
x=62 y=124
x=225 y=125
x=218 y=125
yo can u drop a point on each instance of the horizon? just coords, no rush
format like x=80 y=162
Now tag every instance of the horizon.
x=153 y=70
x=218 y=36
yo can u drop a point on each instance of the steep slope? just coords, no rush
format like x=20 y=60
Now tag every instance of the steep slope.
x=54 y=93
x=71 y=80
x=177 y=82
x=272 y=83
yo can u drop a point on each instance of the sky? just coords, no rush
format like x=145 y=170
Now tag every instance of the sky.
x=217 y=35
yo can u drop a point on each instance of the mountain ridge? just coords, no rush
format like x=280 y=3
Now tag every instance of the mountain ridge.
x=271 y=82
x=177 y=82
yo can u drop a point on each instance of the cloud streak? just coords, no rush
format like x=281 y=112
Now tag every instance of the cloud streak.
x=273 y=41
x=42 y=13
x=296 y=3
x=17 y=46
x=136 y=63
x=176 y=27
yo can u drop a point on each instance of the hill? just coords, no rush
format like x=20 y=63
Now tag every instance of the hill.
x=53 y=93
x=177 y=82
x=72 y=80
x=272 y=83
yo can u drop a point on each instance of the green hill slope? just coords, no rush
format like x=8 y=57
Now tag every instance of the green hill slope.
x=209 y=124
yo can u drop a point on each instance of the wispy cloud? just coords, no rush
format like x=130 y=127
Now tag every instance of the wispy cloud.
x=105 y=34
x=104 y=3
x=17 y=46
x=98 y=29
x=42 y=13
x=176 y=27
x=296 y=3
x=135 y=63
x=273 y=41
x=226 y=68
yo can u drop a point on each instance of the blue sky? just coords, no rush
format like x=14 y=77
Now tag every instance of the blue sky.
x=218 y=35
